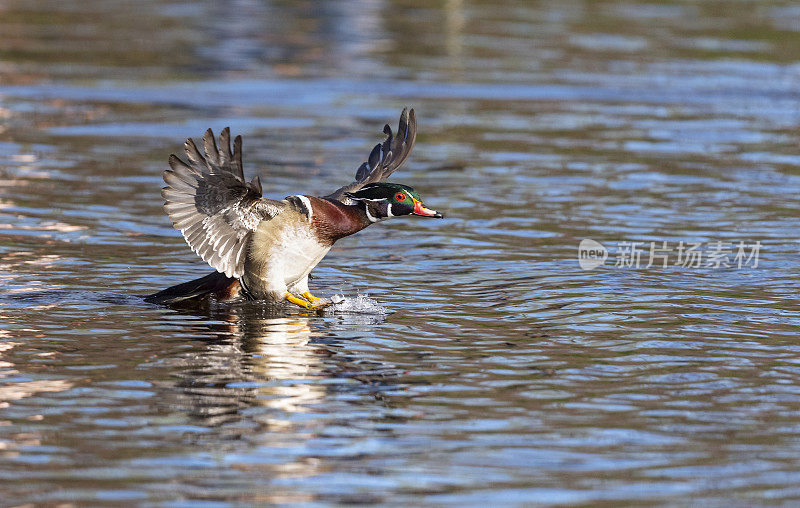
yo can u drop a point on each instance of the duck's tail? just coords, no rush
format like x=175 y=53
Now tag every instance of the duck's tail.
x=215 y=284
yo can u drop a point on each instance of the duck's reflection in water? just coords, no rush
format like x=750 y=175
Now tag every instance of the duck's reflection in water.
x=278 y=398
x=261 y=372
x=289 y=367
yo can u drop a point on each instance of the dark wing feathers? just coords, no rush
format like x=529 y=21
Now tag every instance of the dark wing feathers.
x=210 y=203
x=385 y=158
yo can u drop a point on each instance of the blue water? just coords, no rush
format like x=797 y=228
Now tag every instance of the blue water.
x=472 y=361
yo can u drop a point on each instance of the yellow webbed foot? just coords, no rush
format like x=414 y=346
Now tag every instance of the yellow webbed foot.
x=305 y=304
x=311 y=298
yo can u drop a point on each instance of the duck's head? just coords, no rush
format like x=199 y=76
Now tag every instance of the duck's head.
x=384 y=200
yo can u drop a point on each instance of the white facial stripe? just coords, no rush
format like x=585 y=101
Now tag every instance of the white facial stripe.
x=389 y=210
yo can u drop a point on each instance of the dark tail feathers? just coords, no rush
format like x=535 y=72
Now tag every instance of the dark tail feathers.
x=217 y=284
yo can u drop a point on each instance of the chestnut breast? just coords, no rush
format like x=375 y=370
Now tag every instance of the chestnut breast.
x=332 y=220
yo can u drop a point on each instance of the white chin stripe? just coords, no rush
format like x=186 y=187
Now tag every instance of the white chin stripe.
x=389 y=210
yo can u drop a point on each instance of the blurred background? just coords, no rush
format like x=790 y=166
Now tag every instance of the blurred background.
x=487 y=366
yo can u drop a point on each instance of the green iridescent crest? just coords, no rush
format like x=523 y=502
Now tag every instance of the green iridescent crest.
x=393 y=192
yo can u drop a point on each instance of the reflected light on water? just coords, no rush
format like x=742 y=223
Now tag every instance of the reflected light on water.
x=486 y=367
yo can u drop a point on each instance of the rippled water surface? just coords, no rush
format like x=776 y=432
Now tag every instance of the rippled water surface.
x=486 y=366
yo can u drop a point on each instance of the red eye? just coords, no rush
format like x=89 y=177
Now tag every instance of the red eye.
x=399 y=196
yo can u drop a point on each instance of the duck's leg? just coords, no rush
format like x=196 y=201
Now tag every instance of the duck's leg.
x=300 y=287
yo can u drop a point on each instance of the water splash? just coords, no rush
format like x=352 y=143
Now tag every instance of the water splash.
x=359 y=304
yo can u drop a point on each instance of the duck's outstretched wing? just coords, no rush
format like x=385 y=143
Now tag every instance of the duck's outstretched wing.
x=209 y=201
x=385 y=158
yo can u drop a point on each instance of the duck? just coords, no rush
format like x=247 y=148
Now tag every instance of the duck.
x=265 y=249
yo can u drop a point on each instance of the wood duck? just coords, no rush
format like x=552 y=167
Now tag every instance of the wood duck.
x=264 y=249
